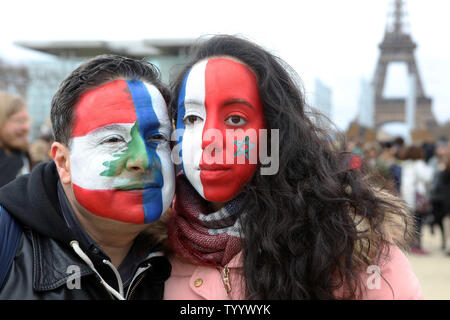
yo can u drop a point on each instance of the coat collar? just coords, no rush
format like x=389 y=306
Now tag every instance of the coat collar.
x=56 y=264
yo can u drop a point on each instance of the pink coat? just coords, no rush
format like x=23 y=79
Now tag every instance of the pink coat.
x=191 y=282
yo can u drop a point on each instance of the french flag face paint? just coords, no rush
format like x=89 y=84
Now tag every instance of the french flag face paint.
x=120 y=153
x=221 y=112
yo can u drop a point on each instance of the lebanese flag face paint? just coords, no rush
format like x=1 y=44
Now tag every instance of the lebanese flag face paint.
x=120 y=153
x=219 y=96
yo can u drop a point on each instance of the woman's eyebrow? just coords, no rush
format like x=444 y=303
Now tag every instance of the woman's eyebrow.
x=193 y=102
x=238 y=101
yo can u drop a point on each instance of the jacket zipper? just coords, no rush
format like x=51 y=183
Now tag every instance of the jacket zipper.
x=131 y=291
x=225 y=273
x=139 y=273
x=135 y=286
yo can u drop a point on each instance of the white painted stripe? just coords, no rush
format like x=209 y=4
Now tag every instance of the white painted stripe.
x=86 y=150
x=160 y=109
x=193 y=135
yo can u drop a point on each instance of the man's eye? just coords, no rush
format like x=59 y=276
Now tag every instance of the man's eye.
x=113 y=139
x=158 y=137
x=191 y=119
x=235 y=121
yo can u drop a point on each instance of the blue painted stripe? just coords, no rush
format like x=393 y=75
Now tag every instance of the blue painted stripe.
x=148 y=125
x=180 y=115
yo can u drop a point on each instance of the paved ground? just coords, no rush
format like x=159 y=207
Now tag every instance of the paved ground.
x=433 y=270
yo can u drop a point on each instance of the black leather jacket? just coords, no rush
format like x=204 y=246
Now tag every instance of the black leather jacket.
x=48 y=264
x=44 y=269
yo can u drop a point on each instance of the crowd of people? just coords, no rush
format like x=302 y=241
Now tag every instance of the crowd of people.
x=419 y=173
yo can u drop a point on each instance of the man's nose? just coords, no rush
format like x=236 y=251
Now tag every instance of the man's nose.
x=26 y=126
x=136 y=165
x=137 y=161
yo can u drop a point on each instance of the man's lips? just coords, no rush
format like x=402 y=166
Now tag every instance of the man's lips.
x=138 y=186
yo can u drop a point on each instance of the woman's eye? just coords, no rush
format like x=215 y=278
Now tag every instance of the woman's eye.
x=190 y=120
x=158 y=137
x=235 y=121
x=113 y=139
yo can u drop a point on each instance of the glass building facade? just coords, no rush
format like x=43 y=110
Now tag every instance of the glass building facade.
x=46 y=76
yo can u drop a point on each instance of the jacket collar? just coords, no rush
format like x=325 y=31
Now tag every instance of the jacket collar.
x=56 y=264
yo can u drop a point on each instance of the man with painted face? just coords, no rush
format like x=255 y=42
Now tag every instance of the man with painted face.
x=84 y=217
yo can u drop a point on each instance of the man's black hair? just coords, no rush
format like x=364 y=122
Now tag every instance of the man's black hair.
x=92 y=74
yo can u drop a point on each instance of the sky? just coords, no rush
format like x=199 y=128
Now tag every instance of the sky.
x=335 y=41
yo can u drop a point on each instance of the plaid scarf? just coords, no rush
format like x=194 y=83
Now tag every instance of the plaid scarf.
x=198 y=235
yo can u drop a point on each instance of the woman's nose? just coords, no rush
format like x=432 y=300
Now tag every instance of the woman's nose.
x=212 y=133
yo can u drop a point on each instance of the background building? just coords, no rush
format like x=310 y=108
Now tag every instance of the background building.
x=43 y=76
x=14 y=78
x=323 y=98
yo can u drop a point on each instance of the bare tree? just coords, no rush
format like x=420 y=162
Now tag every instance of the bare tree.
x=14 y=78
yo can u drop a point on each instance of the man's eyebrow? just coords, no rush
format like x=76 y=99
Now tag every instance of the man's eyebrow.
x=165 y=124
x=238 y=101
x=110 y=127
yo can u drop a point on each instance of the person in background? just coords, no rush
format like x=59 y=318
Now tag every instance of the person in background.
x=440 y=197
x=355 y=154
x=438 y=161
x=395 y=169
x=371 y=151
x=14 y=131
x=429 y=150
x=415 y=183
x=312 y=229
x=383 y=163
x=40 y=149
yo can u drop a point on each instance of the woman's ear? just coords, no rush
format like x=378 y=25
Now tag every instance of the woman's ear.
x=61 y=156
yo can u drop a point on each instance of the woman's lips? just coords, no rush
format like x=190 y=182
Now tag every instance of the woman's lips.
x=213 y=171
x=214 y=167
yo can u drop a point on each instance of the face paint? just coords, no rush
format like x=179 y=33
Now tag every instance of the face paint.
x=120 y=154
x=219 y=96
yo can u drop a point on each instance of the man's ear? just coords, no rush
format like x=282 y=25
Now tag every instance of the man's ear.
x=61 y=156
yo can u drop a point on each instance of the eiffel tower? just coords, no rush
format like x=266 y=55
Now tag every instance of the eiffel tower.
x=398 y=46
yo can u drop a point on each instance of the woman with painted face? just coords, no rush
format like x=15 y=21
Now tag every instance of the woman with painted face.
x=265 y=206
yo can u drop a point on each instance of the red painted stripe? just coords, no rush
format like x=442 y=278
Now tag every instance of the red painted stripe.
x=107 y=104
x=125 y=206
x=225 y=81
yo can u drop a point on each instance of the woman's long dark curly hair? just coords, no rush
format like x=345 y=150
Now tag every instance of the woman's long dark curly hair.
x=313 y=227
